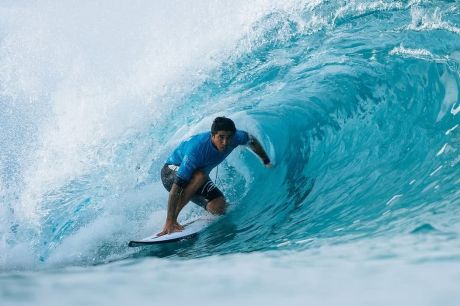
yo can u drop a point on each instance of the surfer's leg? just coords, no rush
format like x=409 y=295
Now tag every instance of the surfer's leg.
x=198 y=180
x=200 y=190
x=168 y=176
x=216 y=203
x=217 y=206
x=178 y=197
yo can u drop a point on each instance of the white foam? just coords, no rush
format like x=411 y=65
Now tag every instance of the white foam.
x=424 y=20
x=450 y=95
x=100 y=74
x=401 y=50
x=360 y=8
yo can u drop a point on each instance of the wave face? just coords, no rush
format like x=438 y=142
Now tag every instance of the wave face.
x=356 y=102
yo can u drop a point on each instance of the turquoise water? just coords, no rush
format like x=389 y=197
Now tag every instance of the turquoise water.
x=356 y=102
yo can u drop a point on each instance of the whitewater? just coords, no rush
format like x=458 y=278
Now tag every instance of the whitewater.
x=356 y=102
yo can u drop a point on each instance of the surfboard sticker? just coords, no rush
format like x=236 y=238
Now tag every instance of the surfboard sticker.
x=191 y=229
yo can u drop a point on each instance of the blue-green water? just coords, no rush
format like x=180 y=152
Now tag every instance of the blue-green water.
x=356 y=102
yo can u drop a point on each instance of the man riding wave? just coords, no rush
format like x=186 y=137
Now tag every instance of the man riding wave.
x=186 y=171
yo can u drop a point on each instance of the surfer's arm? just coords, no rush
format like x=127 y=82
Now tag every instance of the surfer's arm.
x=257 y=148
x=176 y=201
x=182 y=180
x=173 y=202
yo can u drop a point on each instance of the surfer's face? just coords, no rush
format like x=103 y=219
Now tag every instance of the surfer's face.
x=222 y=139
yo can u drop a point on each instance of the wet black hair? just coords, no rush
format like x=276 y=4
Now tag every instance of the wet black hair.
x=223 y=124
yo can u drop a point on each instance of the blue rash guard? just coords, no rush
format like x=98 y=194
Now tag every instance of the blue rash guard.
x=198 y=152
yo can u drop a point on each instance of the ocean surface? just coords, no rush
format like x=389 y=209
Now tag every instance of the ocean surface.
x=356 y=102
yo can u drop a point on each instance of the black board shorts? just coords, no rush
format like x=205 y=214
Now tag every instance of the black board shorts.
x=207 y=192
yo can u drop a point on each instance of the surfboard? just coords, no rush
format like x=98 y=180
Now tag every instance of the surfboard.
x=191 y=229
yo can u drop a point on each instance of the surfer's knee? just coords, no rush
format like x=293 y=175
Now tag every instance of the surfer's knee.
x=199 y=177
x=217 y=206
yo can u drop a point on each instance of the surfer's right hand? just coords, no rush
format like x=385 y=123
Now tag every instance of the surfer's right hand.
x=170 y=227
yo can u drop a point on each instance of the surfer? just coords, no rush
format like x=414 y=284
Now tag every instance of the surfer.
x=186 y=171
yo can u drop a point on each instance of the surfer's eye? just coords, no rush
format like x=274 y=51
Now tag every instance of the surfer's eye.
x=225 y=137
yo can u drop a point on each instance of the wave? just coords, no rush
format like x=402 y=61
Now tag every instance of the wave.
x=356 y=103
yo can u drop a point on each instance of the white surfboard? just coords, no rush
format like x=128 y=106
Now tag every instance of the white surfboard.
x=191 y=229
